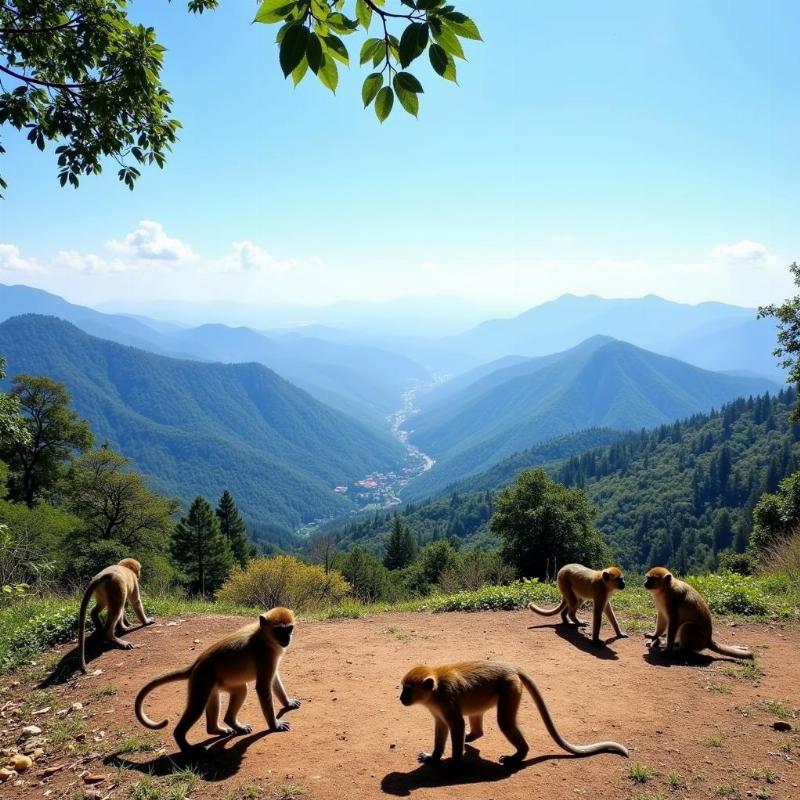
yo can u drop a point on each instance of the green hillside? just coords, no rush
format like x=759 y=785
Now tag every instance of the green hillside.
x=677 y=495
x=614 y=385
x=198 y=428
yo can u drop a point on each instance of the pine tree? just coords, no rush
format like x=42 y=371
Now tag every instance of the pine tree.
x=200 y=550
x=233 y=528
x=401 y=549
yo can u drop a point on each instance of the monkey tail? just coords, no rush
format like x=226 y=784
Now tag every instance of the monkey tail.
x=87 y=596
x=548 y=612
x=169 y=677
x=730 y=650
x=575 y=749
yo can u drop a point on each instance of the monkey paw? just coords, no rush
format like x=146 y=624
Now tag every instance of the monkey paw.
x=598 y=643
x=511 y=761
x=149 y=620
x=293 y=703
x=242 y=728
x=280 y=727
x=427 y=758
x=219 y=730
x=125 y=645
x=623 y=635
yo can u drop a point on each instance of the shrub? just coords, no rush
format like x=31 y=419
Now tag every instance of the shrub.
x=729 y=593
x=783 y=557
x=496 y=598
x=284 y=581
x=473 y=569
x=729 y=561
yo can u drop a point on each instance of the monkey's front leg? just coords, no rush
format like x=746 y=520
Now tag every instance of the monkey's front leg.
x=457 y=729
x=672 y=632
x=286 y=701
x=136 y=602
x=439 y=740
x=612 y=618
x=597 y=618
x=661 y=626
x=264 y=692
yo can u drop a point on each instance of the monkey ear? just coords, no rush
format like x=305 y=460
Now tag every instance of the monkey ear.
x=606 y=575
x=263 y=621
x=668 y=577
x=429 y=683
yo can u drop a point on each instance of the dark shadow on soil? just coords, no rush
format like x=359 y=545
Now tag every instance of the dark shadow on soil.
x=68 y=664
x=658 y=658
x=575 y=637
x=221 y=759
x=474 y=770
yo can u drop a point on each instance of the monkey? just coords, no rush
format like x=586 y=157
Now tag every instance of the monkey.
x=684 y=616
x=453 y=691
x=578 y=583
x=112 y=587
x=251 y=653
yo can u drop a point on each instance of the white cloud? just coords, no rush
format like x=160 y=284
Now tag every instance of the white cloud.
x=247 y=256
x=745 y=250
x=89 y=262
x=150 y=242
x=12 y=260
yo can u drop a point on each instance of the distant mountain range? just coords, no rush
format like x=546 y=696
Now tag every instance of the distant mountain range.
x=714 y=336
x=200 y=428
x=359 y=379
x=601 y=383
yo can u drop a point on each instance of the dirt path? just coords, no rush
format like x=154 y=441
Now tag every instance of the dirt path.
x=352 y=739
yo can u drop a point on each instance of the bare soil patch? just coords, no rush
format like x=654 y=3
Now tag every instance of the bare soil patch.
x=699 y=730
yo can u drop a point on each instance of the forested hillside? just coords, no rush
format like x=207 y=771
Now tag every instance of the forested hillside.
x=600 y=384
x=677 y=495
x=195 y=428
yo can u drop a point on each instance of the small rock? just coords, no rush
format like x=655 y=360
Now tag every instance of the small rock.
x=37 y=753
x=55 y=768
x=392 y=746
x=31 y=730
x=6 y=773
x=32 y=744
x=41 y=711
x=76 y=707
x=94 y=794
x=92 y=777
x=20 y=763
x=781 y=725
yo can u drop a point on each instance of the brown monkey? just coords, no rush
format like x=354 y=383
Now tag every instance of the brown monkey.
x=453 y=691
x=112 y=588
x=578 y=583
x=685 y=617
x=252 y=653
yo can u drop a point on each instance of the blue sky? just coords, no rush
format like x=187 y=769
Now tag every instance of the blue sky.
x=618 y=148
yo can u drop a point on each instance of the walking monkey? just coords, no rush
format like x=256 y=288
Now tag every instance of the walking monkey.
x=684 y=616
x=469 y=688
x=578 y=583
x=112 y=588
x=251 y=653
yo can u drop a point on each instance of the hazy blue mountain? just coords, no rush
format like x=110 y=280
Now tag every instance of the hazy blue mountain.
x=199 y=428
x=650 y=322
x=363 y=381
x=614 y=385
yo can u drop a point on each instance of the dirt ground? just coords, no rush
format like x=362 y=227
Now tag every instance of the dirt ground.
x=702 y=729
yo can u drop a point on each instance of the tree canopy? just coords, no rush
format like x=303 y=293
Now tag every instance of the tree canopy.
x=81 y=74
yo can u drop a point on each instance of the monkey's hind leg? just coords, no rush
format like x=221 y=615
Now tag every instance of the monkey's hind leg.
x=691 y=638
x=573 y=604
x=212 y=717
x=112 y=624
x=507 y=708
x=198 y=696
x=475 y=728
x=237 y=698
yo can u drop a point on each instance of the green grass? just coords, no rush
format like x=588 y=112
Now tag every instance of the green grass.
x=32 y=624
x=776 y=707
x=746 y=671
x=713 y=741
x=727 y=789
x=639 y=773
x=138 y=743
x=676 y=780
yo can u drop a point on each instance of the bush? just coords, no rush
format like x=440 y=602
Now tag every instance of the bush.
x=730 y=561
x=284 y=581
x=783 y=557
x=31 y=625
x=496 y=598
x=473 y=569
x=729 y=593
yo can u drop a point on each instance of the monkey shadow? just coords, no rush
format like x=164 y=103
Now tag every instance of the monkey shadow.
x=573 y=635
x=658 y=658
x=217 y=763
x=474 y=770
x=69 y=663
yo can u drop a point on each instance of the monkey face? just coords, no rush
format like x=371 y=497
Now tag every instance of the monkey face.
x=407 y=695
x=656 y=579
x=613 y=578
x=283 y=634
x=418 y=686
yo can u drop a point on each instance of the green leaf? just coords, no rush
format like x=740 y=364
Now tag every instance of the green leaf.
x=337 y=49
x=363 y=14
x=329 y=74
x=293 y=47
x=442 y=63
x=273 y=11
x=371 y=87
x=408 y=100
x=448 y=40
x=369 y=49
x=408 y=82
x=463 y=26
x=299 y=72
x=409 y=44
x=384 y=102
x=314 y=52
